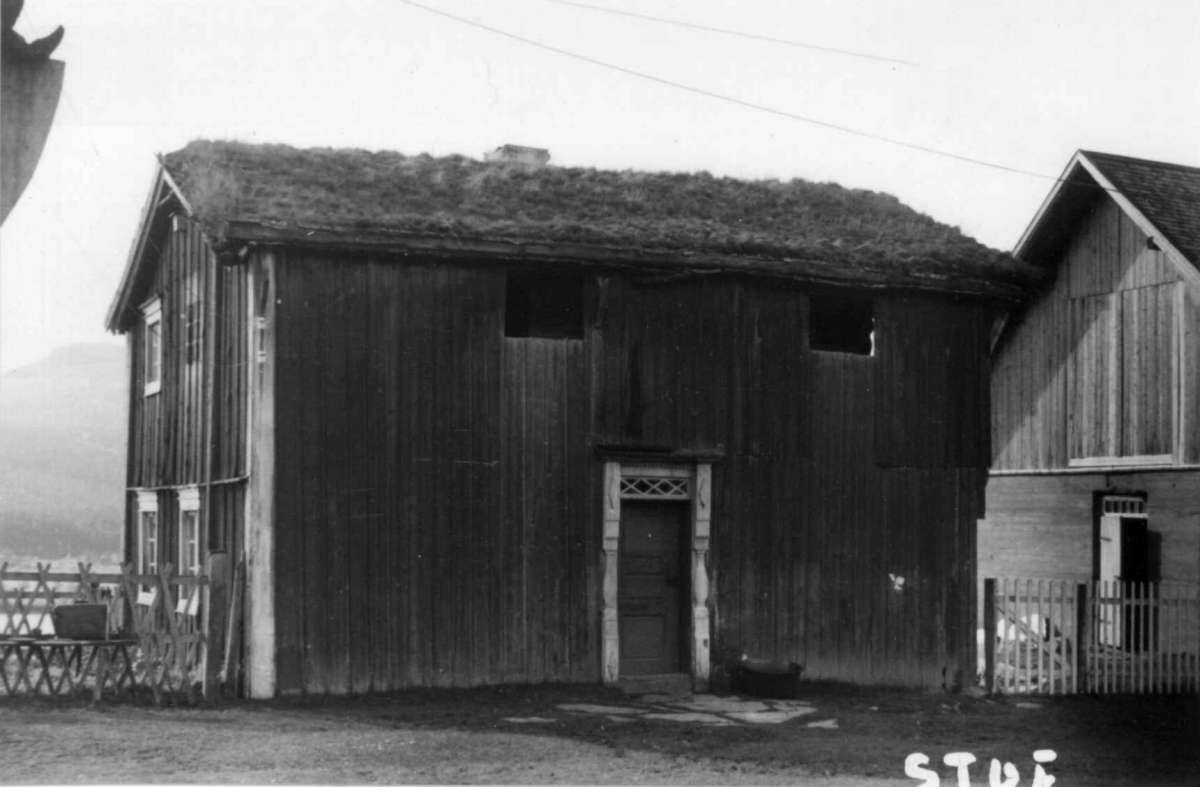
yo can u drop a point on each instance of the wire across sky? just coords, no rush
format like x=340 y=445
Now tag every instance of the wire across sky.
x=728 y=99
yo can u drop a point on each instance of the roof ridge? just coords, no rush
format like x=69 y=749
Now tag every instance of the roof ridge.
x=1137 y=160
x=178 y=156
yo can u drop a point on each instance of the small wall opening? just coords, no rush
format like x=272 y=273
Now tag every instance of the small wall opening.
x=842 y=324
x=548 y=306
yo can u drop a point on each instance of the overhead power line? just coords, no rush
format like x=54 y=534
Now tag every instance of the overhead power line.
x=733 y=99
x=737 y=33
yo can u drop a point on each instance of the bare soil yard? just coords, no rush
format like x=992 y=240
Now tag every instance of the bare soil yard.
x=525 y=735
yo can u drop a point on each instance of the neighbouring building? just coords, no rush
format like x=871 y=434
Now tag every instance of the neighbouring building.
x=1096 y=386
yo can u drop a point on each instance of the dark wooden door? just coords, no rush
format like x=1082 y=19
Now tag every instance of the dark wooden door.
x=652 y=586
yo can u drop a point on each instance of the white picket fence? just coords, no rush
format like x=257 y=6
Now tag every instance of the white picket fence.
x=1062 y=637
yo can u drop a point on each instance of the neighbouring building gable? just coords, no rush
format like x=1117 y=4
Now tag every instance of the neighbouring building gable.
x=1100 y=370
x=1168 y=195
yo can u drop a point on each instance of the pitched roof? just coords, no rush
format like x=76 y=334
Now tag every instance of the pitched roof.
x=451 y=205
x=1166 y=194
x=1163 y=197
x=356 y=191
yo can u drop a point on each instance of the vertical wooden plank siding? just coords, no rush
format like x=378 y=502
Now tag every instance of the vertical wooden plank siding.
x=1085 y=371
x=437 y=505
x=167 y=434
x=1189 y=323
x=1100 y=368
x=390 y=377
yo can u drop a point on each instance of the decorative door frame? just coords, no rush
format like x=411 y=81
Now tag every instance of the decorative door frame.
x=680 y=481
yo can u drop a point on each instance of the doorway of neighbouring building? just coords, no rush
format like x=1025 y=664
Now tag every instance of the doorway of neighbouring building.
x=1127 y=560
x=653 y=586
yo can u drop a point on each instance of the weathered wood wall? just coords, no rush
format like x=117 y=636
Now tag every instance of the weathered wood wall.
x=1041 y=526
x=438 y=489
x=1088 y=370
x=1092 y=369
x=168 y=433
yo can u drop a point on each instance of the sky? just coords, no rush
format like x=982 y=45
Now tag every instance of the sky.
x=1019 y=85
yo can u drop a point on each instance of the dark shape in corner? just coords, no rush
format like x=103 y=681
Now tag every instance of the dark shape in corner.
x=13 y=46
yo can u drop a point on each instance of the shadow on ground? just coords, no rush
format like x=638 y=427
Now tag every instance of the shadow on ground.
x=837 y=734
x=850 y=730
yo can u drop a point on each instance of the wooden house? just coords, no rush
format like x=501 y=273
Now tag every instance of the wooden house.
x=1096 y=385
x=482 y=422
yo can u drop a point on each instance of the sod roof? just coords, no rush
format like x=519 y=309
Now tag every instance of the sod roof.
x=356 y=192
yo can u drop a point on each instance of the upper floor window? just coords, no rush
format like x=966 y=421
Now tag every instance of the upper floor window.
x=192 y=325
x=549 y=306
x=842 y=324
x=152 y=346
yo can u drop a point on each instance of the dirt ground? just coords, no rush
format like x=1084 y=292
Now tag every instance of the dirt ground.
x=525 y=735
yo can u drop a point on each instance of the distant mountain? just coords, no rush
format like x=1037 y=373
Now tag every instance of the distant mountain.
x=62 y=453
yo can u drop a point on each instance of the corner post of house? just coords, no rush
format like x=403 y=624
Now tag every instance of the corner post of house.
x=701 y=522
x=611 y=654
x=260 y=497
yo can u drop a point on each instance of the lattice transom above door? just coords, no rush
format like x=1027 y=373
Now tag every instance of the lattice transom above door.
x=655 y=488
x=1124 y=505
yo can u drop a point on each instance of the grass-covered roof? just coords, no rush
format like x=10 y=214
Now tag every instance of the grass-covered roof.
x=355 y=191
x=456 y=207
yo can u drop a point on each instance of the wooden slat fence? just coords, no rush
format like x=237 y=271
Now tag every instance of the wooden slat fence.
x=164 y=613
x=1104 y=637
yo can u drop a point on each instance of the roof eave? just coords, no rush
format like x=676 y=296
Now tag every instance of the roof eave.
x=1081 y=161
x=1011 y=286
x=1052 y=198
x=121 y=303
x=1187 y=268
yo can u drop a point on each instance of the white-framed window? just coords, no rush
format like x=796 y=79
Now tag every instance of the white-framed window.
x=189 y=531
x=191 y=319
x=147 y=532
x=152 y=346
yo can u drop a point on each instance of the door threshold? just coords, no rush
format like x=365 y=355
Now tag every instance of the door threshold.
x=673 y=683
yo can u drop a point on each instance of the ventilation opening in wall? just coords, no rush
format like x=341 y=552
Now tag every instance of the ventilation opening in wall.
x=841 y=324
x=544 y=306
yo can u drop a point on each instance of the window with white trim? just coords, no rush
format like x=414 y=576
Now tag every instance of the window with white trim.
x=152 y=347
x=192 y=326
x=147 y=533
x=189 y=531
